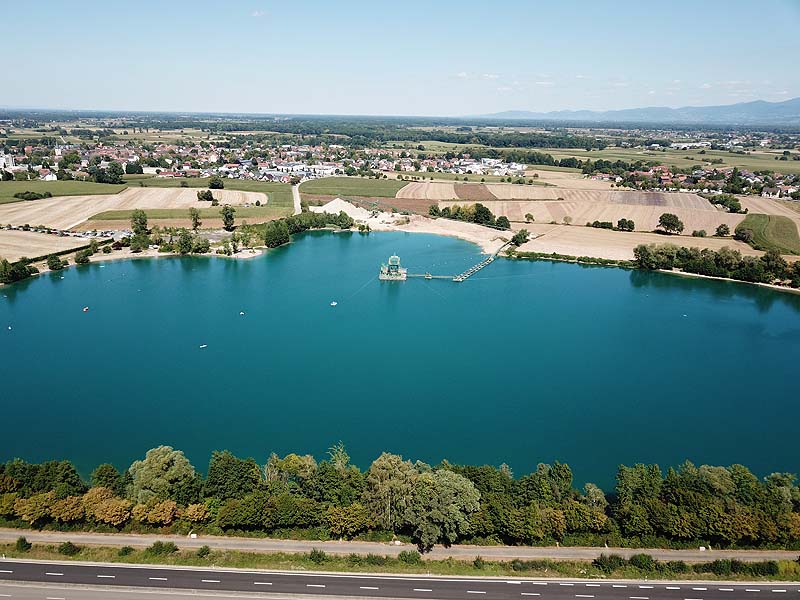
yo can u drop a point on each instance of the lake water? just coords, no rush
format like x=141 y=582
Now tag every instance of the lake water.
x=526 y=362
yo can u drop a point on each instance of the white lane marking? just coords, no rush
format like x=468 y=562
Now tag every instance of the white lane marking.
x=210 y=580
x=700 y=589
x=55 y=574
x=725 y=589
x=4 y=571
x=639 y=597
x=778 y=591
x=262 y=583
x=422 y=590
x=5 y=595
x=645 y=587
x=319 y=585
x=538 y=583
x=367 y=587
x=617 y=585
x=751 y=590
x=475 y=592
x=515 y=582
x=157 y=578
x=673 y=587
x=54 y=598
x=592 y=585
x=107 y=576
x=529 y=594
x=584 y=596
x=566 y=584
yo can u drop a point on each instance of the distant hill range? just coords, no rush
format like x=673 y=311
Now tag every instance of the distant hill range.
x=759 y=112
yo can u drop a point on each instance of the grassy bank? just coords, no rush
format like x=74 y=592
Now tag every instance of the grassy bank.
x=56 y=188
x=353 y=186
x=410 y=562
x=772 y=232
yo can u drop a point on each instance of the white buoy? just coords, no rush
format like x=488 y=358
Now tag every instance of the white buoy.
x=241 y=313
x=334 y=303
x=203 y=346
x=9 y=327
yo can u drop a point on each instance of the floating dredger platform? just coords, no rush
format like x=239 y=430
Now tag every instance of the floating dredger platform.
x=392 y=271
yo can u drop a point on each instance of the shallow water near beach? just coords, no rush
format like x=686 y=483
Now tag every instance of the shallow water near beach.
x=526 y=362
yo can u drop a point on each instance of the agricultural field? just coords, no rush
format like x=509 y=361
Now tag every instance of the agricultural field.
x=588 y=241
x=16 y=244
x=352 y=186
x=773 y=232
x=69 y=212
x=279 y=194
x=57 y=188
x=755 y=161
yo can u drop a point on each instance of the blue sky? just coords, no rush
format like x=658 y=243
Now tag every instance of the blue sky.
x=410 y=58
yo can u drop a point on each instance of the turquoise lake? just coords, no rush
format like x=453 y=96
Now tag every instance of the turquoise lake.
x=526 y=362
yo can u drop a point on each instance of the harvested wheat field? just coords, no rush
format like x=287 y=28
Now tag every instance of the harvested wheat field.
x=477 y=192
x=67 y=212
x=428 y=191
x=573 y=181
x=767 y=206
x=16 y=244
x=580 y=213
x=602 y=243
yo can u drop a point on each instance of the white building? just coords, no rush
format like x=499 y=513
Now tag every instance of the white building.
x=6 y=161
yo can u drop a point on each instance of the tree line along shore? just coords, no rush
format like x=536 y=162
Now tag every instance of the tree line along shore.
x=299 y=497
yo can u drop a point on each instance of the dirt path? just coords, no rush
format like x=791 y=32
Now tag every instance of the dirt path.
x=296 y=197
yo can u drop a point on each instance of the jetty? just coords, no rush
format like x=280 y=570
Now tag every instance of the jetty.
x=392 y=271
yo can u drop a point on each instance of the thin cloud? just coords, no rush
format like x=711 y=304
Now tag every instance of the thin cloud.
x=257 y=14
x=543 y=82
x=706 y=86
x=505 y=89
x=491 y=76
x=462 y=75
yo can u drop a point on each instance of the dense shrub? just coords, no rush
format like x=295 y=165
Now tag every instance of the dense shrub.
x=410 y=557
x=317 y=556
x=68 y=549
x=23 y=545
x=162 y=548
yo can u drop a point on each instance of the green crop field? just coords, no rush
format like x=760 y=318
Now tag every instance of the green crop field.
x=353 y=186
x=772 y=232
x=57 y=188
x=250 y=212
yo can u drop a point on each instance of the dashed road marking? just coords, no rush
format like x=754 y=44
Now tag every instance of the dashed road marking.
x=538 y=583
x=316 y=585
x=751 y=590
x=700 y=589
x=210 y=580
x=618 y=585
x=778 y=591
x=4 y=571
x=566 y=584
x=55 y=574
x=367 y=587
x=673 y=587
x=106 y=576
x=529 y=594
x=515 y=582
x=584 y=596
x=645 y=587
x=422 y=590
x=262 y=583
x=639 y=597
x=475 y=592
x=157 y=578
x=55 y=598
x=592 y=585
x=725 y=589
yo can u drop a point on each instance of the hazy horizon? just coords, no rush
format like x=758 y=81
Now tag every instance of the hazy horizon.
x=446 y=60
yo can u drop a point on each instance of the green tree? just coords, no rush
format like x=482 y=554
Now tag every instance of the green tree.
x=503 y=222
x=276 y=233
x=54 y=263
x=164 y=474
x=107 y=476
x=194 y=215
x=231 y=477
x=215 y=183
x=670 y=223
x=139 y=222
x=520 y=237
x=440 y=507
x=722 y=230
x=389 y=484
x=185 y=242
x=227 y=213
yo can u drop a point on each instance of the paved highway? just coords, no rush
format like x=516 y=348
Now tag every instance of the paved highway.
x=462 y=552
x=64 y=576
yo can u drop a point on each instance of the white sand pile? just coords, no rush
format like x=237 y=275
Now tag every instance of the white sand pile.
x=338 y=205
